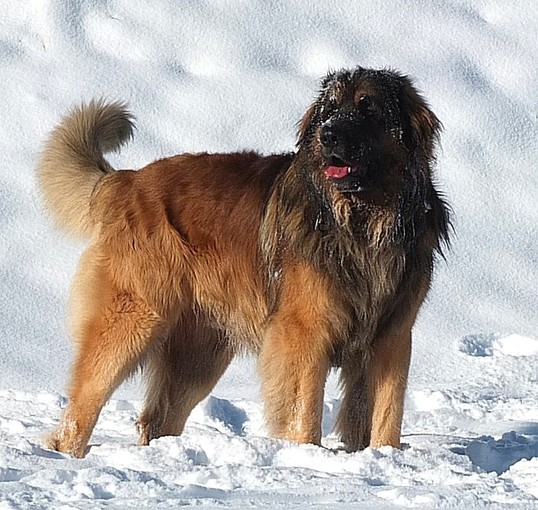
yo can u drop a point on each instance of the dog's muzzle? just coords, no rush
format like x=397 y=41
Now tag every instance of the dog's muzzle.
x=335 y=141
x=342 y=153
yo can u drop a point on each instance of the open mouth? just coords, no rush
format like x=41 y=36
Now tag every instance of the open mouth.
x=338 y=172
x=338 y=169
x=346 y=177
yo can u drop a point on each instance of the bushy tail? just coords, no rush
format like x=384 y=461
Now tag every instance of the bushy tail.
x=72 y=161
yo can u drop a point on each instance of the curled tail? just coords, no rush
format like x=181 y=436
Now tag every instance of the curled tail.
x=72 y=161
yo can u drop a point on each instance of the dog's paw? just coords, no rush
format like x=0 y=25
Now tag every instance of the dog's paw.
x=59 y=441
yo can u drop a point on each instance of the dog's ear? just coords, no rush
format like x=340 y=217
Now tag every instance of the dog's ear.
x=423 y=125
x=305 y=123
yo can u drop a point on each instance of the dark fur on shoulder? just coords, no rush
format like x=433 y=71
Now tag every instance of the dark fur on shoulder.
x=310 y=260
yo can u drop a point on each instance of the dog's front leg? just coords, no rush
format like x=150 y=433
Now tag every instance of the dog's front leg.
x=354 y=417
x=374 y=389
x=387 y=384
x=295 y=356
x=293 y=371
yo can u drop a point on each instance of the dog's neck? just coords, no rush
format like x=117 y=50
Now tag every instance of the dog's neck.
x=315 y=221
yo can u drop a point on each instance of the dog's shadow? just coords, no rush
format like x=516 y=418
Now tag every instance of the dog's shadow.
x=224 y=411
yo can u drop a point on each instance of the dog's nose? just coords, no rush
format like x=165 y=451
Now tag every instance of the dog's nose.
x=328 y=137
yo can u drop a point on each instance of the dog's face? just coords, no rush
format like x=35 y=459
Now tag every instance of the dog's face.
x=365 y=127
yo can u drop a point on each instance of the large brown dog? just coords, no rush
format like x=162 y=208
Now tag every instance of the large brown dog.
x=311 y=260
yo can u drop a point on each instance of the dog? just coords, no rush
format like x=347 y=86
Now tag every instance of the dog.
x=311 y=260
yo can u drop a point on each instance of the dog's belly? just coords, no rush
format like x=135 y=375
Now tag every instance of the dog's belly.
x=231 y=294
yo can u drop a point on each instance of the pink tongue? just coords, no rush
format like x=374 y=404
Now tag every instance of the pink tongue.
x=337 y=172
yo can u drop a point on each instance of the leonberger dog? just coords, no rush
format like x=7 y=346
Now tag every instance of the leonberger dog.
x=312 y=260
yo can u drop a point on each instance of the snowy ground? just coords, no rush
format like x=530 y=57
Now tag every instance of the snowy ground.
x=224 y=458
x=222 y=75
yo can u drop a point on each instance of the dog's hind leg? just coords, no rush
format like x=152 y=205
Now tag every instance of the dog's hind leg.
x=113 y=333
x=180 y=373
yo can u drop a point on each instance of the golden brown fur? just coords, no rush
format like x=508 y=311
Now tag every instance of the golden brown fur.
x=196 y=257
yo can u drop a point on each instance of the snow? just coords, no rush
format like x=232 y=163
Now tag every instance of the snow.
x=224 y=459
x=222 y=75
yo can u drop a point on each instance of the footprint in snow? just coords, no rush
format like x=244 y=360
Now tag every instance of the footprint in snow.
x=492 y=344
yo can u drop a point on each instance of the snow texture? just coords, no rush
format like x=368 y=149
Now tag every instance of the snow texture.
x=224 y=75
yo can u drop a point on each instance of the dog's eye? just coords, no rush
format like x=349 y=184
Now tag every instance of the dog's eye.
x=366 y=106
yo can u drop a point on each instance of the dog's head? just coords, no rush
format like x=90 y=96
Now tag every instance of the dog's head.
x=366 y=127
